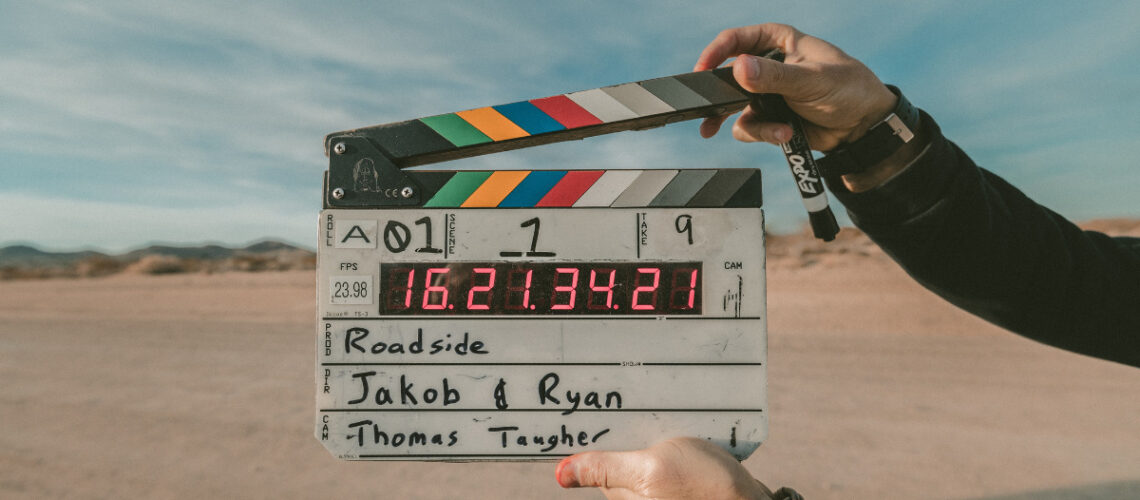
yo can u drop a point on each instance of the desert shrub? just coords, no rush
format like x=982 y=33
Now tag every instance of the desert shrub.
x=93 y=267
x=158 y=264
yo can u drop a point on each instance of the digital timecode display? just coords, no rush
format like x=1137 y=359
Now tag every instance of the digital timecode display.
x=541 y=288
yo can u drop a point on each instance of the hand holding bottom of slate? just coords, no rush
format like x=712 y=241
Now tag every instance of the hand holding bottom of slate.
x=680 y=468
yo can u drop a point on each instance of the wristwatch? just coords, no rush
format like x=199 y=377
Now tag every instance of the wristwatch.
x=880 y=142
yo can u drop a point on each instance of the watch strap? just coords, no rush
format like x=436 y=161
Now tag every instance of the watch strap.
x=880 y=142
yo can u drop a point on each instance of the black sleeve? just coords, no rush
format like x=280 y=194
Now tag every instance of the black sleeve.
x=981 y=244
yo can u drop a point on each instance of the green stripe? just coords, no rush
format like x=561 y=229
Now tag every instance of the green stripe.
x=456 y=191
x=456 y=130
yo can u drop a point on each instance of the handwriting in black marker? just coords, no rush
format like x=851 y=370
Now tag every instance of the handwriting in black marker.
x=546 y=387
x=426 y=222
x=398 y=439
x=684 y=224
x=397 y=236
x=501 y=395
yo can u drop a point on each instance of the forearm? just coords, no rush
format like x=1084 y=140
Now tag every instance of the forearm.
x=983 y=245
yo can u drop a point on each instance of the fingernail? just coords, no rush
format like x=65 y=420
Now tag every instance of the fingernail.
x=784 y=135
x=566 y=474
x=751 y=66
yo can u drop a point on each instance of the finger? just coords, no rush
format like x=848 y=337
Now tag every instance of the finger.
x=756 y=131
x=765 y=76
x=710 y=126
x=755 y=39
x=601 y=469
x=621 y=494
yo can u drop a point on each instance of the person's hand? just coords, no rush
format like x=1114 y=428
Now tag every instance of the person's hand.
x=837 y=96
x=681 y=468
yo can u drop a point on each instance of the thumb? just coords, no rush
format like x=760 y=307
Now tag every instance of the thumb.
x=604 y=469
x=765 y=76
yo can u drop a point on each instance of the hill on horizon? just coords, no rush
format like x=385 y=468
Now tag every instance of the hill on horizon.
x=24 y=261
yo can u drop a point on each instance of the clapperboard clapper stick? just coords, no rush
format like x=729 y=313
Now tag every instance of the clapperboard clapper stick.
x=577 y=115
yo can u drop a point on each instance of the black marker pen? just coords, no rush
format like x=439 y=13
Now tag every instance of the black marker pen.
x=798 y=153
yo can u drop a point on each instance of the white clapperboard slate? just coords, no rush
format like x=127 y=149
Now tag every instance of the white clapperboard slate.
x=529 y=315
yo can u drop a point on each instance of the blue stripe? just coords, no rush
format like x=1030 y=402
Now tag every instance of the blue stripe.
x=533 y=188
x=529 y=117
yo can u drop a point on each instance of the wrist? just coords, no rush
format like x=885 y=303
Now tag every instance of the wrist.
x=882 y=150
x=884 y=105
x=881 y=172
x=758 y=491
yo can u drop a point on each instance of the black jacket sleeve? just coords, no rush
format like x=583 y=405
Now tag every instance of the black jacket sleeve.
x=981 y=244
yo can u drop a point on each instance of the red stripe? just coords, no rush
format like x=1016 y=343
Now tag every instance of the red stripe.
x=570 y=188
x=565 y=111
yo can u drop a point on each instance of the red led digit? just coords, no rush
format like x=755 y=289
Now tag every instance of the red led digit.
x=397 y=286
x=687 y=291
x=440 y=288
x=651 y=289
x=571 y=288
x=524 y=289
x=595 y=288
x=490 y=273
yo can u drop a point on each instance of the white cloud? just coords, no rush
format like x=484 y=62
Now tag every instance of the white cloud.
x=64 y=224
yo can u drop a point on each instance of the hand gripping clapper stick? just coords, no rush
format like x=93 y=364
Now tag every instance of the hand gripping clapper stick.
x=528 y=315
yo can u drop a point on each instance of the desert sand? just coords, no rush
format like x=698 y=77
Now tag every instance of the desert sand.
x=201 y=386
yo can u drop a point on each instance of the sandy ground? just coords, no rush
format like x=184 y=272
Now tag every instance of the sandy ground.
x=195 y=386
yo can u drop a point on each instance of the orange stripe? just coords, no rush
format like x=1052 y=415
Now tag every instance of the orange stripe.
x=492 y=123
x=495 y=188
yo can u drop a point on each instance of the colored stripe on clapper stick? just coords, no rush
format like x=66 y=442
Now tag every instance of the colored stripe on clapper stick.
x=566 y=112
x=569 y=188
x=598 y=188
x=575 y=115
x=492 y=123
x=495 y=188
x=533 y=188
x=457 y=189
x=454 y=129
x=530 y=118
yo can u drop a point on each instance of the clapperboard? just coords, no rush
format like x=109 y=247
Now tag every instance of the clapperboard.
x=532 y=314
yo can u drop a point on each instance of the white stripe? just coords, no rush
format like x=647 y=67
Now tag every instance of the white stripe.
x=816 y=203
x=638 y=100
x=602 y=105
x=647 y=186
x=607 y=188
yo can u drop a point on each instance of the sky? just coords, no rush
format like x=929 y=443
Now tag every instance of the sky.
x=126 y=123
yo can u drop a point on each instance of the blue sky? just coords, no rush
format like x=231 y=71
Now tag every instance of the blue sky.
x=126 y=123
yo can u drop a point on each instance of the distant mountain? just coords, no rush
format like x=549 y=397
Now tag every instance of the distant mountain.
x=29 y=256
x=211 y=252
x=205 y=252
x=271 y=246
x=28 y=262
